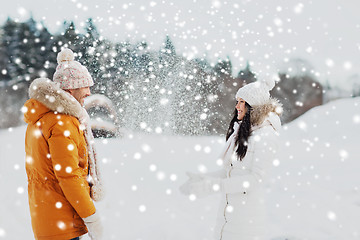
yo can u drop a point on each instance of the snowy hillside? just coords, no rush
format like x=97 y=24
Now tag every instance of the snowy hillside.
x=314 y=191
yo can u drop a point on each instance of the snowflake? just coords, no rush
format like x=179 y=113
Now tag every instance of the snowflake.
x=202 y=168
x=347 y=65
x=137 y=156
x=192 y=197
x=2 y=232
x=229 y=209
x=331 y=215
x=152 y=167
x=61 y=225
x=160 y=176
x=70 y=147
x=20 y=190
x=58 y=205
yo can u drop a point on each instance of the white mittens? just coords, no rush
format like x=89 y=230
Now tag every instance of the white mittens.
x=94 y=226
x=200 y=185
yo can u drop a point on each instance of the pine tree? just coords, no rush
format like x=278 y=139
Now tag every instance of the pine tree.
x=4 y=58
x=10 y=43
x=90 y=48
x=167 y=55
x=223 y=67
x=43 y=47
x=246 y=76
x=298 y=91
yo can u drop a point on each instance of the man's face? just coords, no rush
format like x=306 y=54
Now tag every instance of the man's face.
x=80 y=94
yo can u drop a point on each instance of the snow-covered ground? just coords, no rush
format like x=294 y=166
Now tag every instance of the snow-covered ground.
x=314 y=192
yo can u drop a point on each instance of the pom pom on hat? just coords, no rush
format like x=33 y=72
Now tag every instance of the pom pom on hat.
x=65 y=55
x=71 y=74
x=256 y=93
x=269 y=83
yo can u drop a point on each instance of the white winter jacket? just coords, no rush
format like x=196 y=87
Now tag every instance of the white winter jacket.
x=242 y=211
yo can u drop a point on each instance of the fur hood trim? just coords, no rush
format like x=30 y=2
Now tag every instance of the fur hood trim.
x=53 y=97
x=268 y=112
x=56 y=99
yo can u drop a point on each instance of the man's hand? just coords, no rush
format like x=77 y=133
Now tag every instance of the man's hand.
x=94 y=226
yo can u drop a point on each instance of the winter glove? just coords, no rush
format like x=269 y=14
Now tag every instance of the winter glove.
x=193 y=177
x=201 y=186
x=94 y=226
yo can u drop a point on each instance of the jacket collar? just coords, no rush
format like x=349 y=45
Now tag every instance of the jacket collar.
x=267 y=114
x=56 y=99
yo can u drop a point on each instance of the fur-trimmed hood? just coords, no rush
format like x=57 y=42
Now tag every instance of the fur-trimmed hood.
x=267 y=114
x=56 y=99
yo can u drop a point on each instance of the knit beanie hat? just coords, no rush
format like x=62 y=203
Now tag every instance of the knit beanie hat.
x=71 y=74
x=256 y=93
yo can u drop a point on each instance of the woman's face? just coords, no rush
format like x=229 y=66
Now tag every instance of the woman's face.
x=241 y=108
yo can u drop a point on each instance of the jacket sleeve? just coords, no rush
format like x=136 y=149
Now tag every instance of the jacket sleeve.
x=217 y=174
x=65 y=161
x=262 y=155
x=222 y=172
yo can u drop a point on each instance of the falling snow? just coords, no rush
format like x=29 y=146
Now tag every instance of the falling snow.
x=143 y=173
x=314 y=180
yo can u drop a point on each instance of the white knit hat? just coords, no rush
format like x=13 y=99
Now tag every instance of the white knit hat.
x=71 y=74
x=256 y=93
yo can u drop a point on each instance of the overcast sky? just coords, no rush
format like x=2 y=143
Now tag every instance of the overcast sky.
x=265 y=32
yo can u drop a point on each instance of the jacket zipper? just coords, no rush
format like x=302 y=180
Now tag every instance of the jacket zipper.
x=227 y=203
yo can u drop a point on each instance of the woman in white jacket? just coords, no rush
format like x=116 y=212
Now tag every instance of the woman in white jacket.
x=251 y=145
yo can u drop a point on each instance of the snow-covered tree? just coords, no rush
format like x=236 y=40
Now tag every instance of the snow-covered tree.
x=298 y=89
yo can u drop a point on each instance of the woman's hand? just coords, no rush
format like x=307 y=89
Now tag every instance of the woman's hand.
x=200 y=185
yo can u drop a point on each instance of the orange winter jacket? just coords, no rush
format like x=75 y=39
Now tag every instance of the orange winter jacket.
x=57 y=167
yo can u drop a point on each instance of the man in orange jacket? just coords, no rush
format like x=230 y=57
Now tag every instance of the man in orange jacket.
x=63 y=176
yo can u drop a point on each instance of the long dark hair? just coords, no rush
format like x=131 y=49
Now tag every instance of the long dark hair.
x=243 y=132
